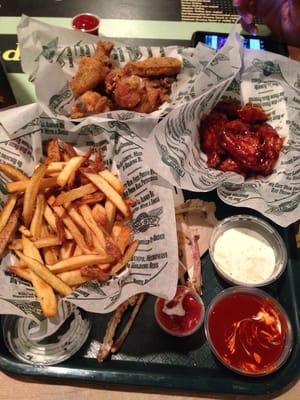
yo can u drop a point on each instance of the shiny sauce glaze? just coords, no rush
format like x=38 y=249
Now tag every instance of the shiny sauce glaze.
x=85 y=22
x=248 y=332
x=182 y=314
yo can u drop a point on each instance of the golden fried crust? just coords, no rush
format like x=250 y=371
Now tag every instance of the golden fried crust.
x=104 y=47
x=154 y=66
x=90 y=73
x=89 y=103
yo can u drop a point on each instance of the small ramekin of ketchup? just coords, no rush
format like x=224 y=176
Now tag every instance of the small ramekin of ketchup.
x=86 y=22
x=248 y=331
x=181 y=316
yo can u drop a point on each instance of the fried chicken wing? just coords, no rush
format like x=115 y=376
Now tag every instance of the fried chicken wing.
x=90 y=73
x=154 y=66
x=89 y=103
x=112 y=78
x=138 y=94
x=102 y=52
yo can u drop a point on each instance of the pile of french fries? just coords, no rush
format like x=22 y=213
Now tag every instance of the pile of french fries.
x=67 y=223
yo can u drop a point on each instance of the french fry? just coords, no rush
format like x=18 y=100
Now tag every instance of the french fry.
x=44 y=292
x=77 y=251
x=76 y=234
x=13 y=172
x=78 y=262
x=124 y=238
x=49 y=216
x=36 y=223
x=112 y=180
x=43 y=272
x=69 y=149
x=55 y=167
x=109 y=192
x=77 y=218
x=116 y=230
x=23 y=273
x=48 y=241
x=131 y=249
x=31 y=193
x=67 y=250
x=92 y=198
x=71 y=166
x=88 y=217
x=24 y=231
x=110 y=210
x=8 y=231
x=21 y=186
x=48 y=253
x=73 y=278
x=99 y=215
x=53 y=150
x=7 y=210
x=74 y=194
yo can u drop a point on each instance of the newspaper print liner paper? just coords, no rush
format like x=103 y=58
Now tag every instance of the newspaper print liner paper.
x=153 y=269
x=49 y=51
x=263 y=78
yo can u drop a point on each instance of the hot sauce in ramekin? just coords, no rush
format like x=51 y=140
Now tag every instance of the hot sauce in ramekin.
x=248 y=331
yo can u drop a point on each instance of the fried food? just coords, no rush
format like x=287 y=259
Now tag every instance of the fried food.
x=154 y=66
x=91 y=72
x=236 y=138
x=137 y=94
x=89 y=103
x=62 y=231
x=140 y=86
x=8 y=231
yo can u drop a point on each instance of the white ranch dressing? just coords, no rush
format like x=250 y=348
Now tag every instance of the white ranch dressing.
x=244 y=255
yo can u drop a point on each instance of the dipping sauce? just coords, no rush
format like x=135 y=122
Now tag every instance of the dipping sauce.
x=182 y=315
x=248 y=331
x=86 y=22
x=244 y=255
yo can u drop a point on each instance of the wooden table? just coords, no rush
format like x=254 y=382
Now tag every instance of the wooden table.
x=153 y=27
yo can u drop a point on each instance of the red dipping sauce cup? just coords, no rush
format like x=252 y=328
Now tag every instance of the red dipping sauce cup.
x=248 y=331
x=181 y=316
x=86 y=22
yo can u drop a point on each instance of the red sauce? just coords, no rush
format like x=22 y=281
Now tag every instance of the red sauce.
x=248 y=332
x=86 y=22
x=180 y=325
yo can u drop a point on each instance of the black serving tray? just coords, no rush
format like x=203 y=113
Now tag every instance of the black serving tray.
x=152 y=360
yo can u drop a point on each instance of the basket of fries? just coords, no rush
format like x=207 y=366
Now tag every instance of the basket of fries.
x=76 y=225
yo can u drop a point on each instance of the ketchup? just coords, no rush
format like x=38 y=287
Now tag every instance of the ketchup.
x=182 y=315
x=248 y=332
x=86 y=22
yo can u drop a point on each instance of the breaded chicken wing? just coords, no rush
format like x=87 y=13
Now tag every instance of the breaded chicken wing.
x=102 y=52
x=138 y=94
x=154 y=66
x=89 y=103
x=90 y=73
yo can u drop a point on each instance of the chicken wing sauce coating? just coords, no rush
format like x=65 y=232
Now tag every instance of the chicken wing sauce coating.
x=140 y=86
x=237 y=138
